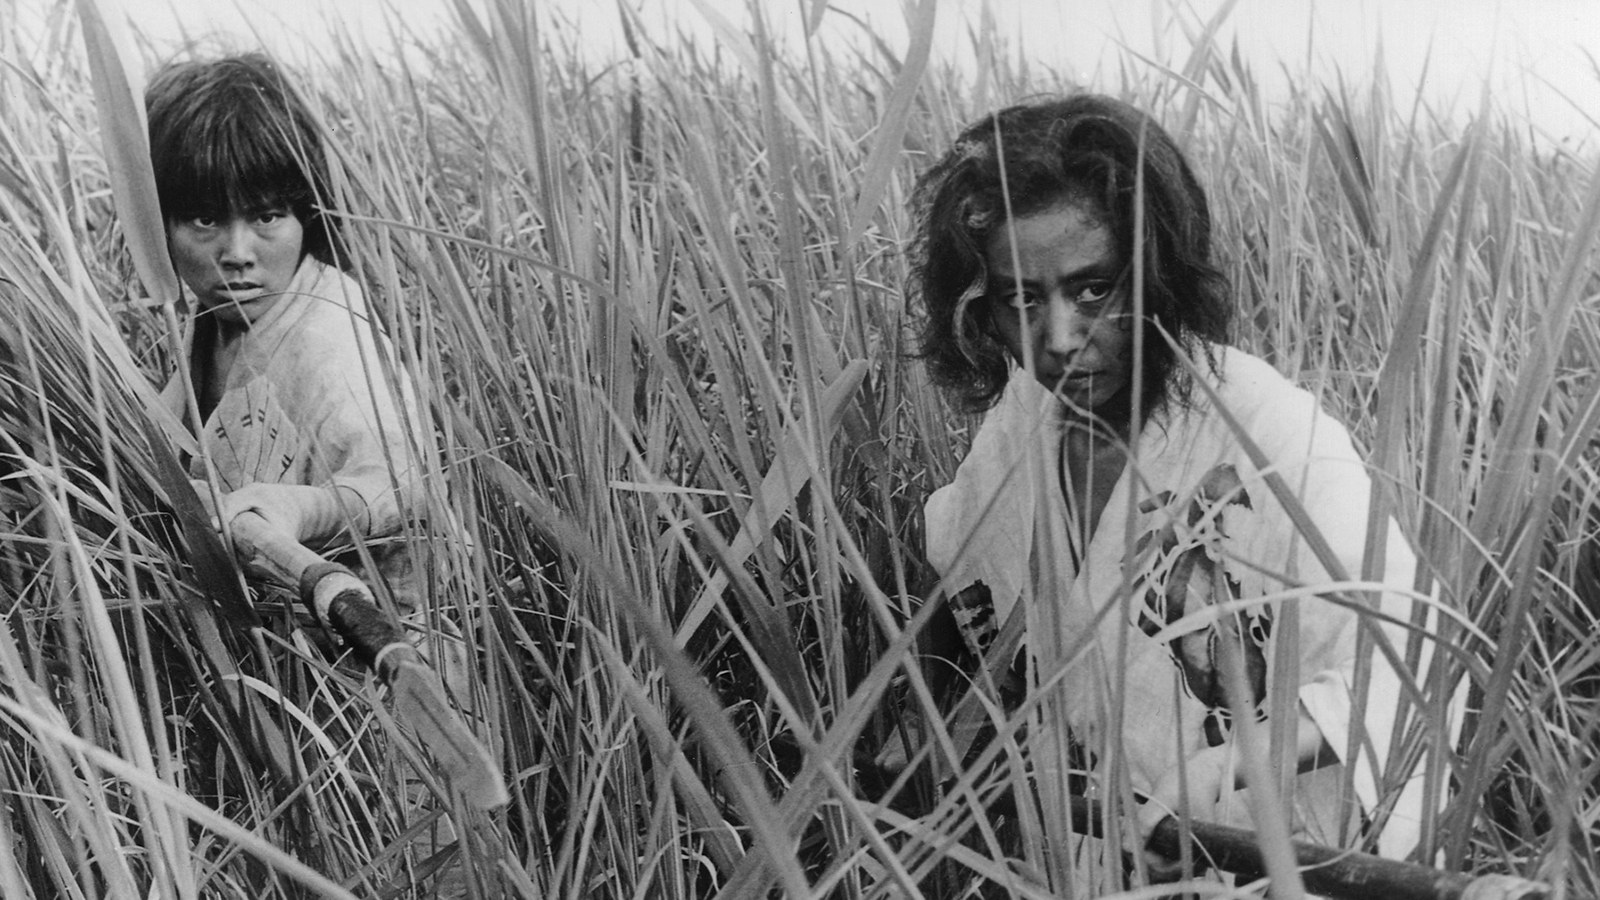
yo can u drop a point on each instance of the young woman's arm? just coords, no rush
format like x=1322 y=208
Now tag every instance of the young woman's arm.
x=315 y=516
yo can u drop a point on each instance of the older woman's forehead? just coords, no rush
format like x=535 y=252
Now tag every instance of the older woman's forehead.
x=1065 y=240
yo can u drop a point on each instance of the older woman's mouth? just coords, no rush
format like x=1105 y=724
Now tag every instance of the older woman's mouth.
x=1072 y=378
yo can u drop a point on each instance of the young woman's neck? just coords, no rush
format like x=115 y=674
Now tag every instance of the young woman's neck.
x=216 y=346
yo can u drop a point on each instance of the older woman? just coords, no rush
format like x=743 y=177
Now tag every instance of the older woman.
x=1126 y=505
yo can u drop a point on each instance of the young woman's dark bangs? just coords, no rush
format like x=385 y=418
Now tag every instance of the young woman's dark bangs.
x=243 y=165
x=228 y=181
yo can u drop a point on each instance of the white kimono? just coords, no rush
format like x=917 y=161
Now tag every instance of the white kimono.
x=306 y=403
x=1190 y=517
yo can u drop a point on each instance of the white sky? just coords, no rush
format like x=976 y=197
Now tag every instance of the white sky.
x=1535 y=49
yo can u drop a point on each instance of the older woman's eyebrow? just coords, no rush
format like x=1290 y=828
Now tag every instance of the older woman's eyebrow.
x=1095 y=271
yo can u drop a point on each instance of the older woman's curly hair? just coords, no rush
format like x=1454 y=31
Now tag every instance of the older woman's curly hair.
x=1084 y=148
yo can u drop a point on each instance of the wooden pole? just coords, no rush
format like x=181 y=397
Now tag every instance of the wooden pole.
x=345 y=604
x=1342 y=874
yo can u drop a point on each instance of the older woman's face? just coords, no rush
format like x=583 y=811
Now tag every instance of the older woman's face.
x=1059 y=305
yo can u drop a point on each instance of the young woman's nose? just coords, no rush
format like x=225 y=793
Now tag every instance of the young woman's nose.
x=238 y=245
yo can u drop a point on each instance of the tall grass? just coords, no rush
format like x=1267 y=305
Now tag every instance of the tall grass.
x=654 y=310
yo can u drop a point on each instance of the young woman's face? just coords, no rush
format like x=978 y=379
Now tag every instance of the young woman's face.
x=1059 y=305
x=238 y=267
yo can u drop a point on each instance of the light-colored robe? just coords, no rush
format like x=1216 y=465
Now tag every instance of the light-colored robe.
x=1190 y=521
x=306 y=402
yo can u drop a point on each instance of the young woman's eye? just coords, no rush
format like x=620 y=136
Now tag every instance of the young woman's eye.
x=270 y=216
x=203 y=222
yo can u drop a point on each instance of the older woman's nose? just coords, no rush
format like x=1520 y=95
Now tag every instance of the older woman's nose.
x=1066 y=327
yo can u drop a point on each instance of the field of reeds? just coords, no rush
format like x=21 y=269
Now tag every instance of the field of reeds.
x=656 y=311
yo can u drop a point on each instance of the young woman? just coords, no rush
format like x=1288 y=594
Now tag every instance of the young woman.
x=1115 y=507
x=299 y=423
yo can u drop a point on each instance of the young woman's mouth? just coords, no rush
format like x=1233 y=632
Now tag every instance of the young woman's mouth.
x=239 y=291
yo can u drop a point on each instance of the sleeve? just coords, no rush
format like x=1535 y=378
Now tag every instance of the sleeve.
x=972 y=523
x=367 y=429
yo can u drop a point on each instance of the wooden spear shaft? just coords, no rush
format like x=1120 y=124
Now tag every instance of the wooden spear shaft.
x=344 y=602
x=1342 y=874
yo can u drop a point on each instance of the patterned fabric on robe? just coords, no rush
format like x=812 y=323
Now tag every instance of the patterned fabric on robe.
x=1191 y=523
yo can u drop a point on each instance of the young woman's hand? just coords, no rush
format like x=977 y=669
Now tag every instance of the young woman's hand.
x=280 y=505
x=310 y=515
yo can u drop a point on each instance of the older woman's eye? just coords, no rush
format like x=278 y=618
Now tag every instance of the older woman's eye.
x=1019 y=300
x=1094 y=295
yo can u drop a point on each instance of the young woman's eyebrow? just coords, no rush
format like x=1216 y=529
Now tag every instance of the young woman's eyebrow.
x=256 y=209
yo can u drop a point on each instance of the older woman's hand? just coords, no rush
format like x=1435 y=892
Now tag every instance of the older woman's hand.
x=1194 y=787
